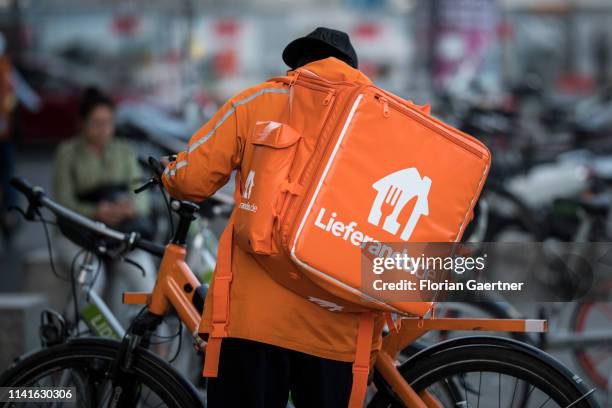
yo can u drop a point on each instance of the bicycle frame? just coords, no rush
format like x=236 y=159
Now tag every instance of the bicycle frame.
x=96 y=314
x=176 y=286
x=93 y=311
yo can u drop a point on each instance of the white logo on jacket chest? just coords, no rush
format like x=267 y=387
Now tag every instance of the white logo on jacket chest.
x=246 y=193
x=248 y=185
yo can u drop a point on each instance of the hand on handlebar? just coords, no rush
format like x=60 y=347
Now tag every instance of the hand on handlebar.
x=165 y=161
x=157 y=169
x=37 y=199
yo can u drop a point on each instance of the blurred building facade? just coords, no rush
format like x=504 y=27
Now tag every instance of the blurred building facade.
x=174 y=53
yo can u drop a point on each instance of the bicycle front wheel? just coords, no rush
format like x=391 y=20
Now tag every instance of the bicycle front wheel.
x=86 y=365
x=488 y=372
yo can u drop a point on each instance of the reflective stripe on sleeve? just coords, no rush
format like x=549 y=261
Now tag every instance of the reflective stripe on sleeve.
x=231 y=111
x=171 y=173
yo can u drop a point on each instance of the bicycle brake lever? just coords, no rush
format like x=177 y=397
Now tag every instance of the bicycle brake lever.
x=149 y=184
x=29 y=214
x=156 y=166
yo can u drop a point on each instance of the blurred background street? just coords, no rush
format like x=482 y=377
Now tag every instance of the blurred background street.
x=532 y=79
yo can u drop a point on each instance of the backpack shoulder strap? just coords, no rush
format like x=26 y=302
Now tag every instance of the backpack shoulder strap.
x=221 y=295
x=220 y=302
x=361 y=366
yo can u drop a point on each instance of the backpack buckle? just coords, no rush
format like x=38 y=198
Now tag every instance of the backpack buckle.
x=227 y=278
x=360 y=369
x=219 y=330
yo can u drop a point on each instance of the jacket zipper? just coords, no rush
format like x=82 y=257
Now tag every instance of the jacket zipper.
x=309 y=75
x=419 y=118
x=311 y=164
x=315 y=86
x=330 y=99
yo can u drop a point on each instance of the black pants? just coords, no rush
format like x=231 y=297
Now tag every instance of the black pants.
x=257 y=375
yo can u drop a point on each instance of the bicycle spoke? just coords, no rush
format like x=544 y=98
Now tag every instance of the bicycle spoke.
x=107 y=394
x=479 y=388
x=499 y=391
x=513 y=392
x=545 y=402
x=528 y=395
x=462 y=377
x=148 y=394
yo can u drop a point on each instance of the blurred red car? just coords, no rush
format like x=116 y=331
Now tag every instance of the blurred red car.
x=58 y=115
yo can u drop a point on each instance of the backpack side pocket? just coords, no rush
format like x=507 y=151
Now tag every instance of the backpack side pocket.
x=274 y=147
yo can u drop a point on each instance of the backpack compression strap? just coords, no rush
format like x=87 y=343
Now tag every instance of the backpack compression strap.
x=220 y=302
x=361 y=366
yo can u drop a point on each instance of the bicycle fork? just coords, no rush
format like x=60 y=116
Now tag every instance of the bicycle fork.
x=125 y=391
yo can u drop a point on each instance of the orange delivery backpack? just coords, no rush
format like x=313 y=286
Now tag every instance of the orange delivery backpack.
x=333 y=174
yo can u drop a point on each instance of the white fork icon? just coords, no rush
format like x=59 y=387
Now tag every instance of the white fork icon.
x=390 y=211
x=394 y=192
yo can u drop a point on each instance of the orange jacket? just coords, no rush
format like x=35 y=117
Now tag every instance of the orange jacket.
x=260 y=309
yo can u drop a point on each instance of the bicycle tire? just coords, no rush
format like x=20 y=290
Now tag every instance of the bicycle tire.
x=590 y=358
x=487 y=354
x=81 y=354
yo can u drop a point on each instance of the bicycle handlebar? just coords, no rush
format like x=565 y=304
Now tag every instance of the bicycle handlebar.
x=37 y=198
x=150 y=247
x=25 y=188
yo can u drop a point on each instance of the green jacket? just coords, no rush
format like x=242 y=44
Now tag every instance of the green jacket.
x=78 y=168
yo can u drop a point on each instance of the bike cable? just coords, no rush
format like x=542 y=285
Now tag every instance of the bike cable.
x=44 y=222
x=167 y=202
x=73 y=289
x=97 y=273
x=135 y=264
x=168 y=339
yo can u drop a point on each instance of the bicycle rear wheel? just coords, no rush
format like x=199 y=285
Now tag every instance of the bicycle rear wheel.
x=488 y=372
x=86 y=365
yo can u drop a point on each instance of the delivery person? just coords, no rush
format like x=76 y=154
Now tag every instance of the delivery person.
x=278 y=342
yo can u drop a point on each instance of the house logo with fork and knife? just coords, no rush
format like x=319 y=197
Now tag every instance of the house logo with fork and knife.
x=394 y=192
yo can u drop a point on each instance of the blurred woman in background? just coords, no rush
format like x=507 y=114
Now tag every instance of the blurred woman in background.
x=94 y=175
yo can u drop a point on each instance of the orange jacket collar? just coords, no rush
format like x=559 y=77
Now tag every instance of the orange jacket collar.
x=335 y=70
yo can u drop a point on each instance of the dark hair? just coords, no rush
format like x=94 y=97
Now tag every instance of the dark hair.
x=92 y=98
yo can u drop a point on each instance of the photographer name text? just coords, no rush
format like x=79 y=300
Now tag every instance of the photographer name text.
x=428 y=285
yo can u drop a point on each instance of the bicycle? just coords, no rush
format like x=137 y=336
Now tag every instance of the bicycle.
x=111 y=373
x=96 y=318
x=573 y=232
